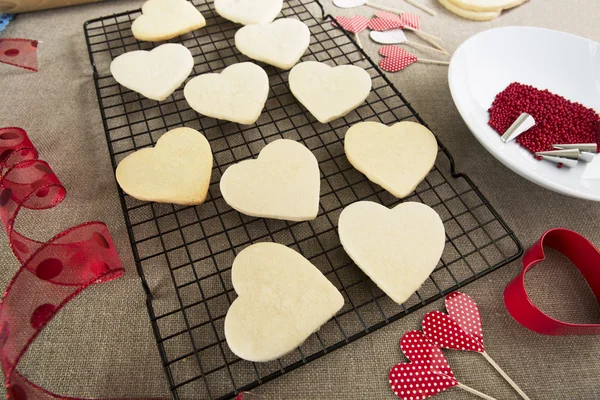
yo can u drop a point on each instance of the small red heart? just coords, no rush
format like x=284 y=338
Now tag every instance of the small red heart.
x=443 y=331
x=396 y=58
x=427 y=373
x=356 y=24
x=464 y=311
x=410 y=20
x=387 y=15
x=384 y=24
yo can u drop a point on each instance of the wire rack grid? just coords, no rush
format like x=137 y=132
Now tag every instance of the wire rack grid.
x=184 y=253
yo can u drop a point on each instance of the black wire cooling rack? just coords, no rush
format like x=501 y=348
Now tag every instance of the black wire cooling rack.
x=184 y=254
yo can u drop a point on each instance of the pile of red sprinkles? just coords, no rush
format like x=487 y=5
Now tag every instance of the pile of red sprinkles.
x=557 y=120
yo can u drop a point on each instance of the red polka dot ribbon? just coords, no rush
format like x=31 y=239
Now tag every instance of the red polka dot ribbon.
x=396 y=58
x=355 y=24
x=20 y=53
x=428 y=372
x=52 y=273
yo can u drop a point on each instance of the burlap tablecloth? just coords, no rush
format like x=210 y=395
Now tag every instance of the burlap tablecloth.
x=101 y=344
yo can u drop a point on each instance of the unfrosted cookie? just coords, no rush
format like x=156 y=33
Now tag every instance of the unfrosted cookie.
x=248 y=12
x=397 y=158
x=280 y=43
x=166 y=19
x=398 y=248
x=282 y=183
x=486 y=5
x=237 y=94
x=177 y=170
x=329 y=92
x=283 y=299
x=154 y=74
x=468 y=14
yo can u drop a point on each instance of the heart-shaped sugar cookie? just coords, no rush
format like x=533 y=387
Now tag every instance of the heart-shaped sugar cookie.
x=282 y=183
x=154 y=74
x=166 y=19
x=177 y=170
x=283 y=299
x=237 y=94
x=469 y=14
x=397 y=158
x=398 y=248
x=280 y=43
x=247 y=12
x=329 y=93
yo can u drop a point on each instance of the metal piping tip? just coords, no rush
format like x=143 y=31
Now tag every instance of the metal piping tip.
x=561 y=160
x=521 y=124
x=587 y=157
x=572 y=154
x=583 y=147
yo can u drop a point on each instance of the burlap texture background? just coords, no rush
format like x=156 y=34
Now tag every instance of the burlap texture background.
x=101 y=345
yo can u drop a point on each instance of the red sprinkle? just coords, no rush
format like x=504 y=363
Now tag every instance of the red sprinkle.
x=557 y=120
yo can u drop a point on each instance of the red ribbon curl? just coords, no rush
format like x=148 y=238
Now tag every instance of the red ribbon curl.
x=52 y=273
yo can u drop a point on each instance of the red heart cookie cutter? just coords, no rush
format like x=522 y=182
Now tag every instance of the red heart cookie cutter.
x=583 y=254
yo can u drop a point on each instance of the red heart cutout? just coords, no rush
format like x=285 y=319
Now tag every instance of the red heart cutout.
x=410 y=20
x=464 y=311
x=427 y=373
x=356 y=24
x=396 y=58
x=387 y=15
x=384 y=24
x=583 y=254
x=443 y=331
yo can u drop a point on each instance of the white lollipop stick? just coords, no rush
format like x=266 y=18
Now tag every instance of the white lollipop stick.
x=420 y=32
x=425 y=47
x=421 y=7
x=357 y=40
x=506 y=377
x=357 y=3
x=425 y=37
x=383 y=8
x=475 y=392
x=428 y=61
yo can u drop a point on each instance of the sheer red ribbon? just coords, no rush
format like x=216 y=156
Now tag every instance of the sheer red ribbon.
x=53 y=272
x=19 y=52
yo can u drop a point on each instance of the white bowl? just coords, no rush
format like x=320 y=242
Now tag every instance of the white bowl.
x=565 y=64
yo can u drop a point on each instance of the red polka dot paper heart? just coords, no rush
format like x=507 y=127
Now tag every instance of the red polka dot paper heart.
x=411 y=21
x=460 y=329
x=396 y=58
x=383 y=24
x=442 y=330
x=355 y=24
x=463 y=310
x=427 y=373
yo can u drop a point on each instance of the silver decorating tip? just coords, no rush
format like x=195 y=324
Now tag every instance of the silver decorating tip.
x=583 y=147
x=587 y=157
x=561 y=160
x=521 y=124
x=572 y=154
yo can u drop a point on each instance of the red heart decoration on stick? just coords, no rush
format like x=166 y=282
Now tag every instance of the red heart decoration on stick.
x=410 y=20
x=387 y=15
x=384 y=24
x=355 y=24
x=443 y=331
x=396 y=58
x=464 y=311
x=427 y=373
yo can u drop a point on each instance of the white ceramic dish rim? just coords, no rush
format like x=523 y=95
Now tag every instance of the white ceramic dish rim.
x=482 y=136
